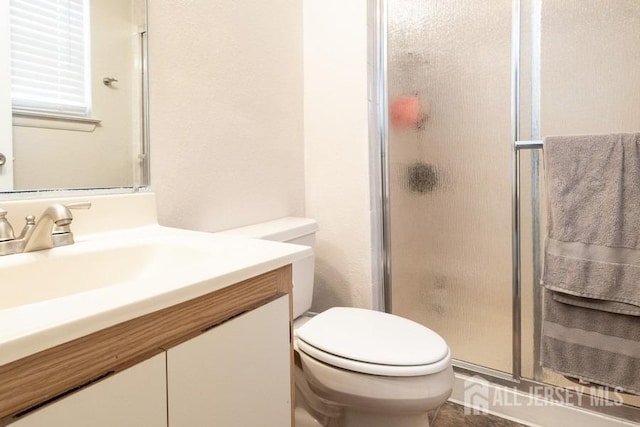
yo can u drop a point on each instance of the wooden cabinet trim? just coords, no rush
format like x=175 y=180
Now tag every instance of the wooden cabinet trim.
x=39 y=377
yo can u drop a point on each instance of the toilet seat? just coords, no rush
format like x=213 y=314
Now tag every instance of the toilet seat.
x=373 y=369
x=373 y=342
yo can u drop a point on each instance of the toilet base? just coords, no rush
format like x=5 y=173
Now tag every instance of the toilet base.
x=339 y=398
x=304 y=418
x=353 y=418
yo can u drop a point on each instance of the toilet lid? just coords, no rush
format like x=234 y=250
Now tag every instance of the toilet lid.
x=373 y=342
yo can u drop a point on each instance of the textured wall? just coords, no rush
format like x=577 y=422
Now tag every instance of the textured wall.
x=227 y=125
x=590 y=67
x=336 y=144
x=226 y=111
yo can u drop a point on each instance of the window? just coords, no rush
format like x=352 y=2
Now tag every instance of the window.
x=50 y=56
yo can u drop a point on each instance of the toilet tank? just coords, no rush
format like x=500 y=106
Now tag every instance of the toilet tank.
x=299 y=231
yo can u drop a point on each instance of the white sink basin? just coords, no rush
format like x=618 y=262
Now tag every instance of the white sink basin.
x=53 y=296
x=86 y=266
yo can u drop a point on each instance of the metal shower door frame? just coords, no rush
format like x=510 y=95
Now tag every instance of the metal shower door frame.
x=380 y=216
x=379 y=163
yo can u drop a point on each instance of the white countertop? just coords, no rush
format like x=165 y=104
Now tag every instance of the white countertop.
x=219 y=261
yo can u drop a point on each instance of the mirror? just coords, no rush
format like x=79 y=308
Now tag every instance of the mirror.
x=104 y=142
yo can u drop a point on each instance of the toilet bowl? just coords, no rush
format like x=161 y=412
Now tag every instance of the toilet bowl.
x=357 y=367
x=381 y=369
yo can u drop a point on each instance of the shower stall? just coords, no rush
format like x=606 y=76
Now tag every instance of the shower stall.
x=457 y=84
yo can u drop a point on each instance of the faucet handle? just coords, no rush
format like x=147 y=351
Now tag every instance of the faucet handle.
x=79 y=205
x=6 y=231
x=64 y=228
x=30 y=224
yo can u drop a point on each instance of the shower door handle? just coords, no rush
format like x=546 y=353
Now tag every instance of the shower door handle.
x=3 y=159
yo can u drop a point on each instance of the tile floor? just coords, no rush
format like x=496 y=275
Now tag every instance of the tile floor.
x=452 y=415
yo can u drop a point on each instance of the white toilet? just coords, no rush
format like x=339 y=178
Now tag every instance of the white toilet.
x=356 y=367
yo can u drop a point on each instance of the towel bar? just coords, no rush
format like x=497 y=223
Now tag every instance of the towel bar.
x=527 y=145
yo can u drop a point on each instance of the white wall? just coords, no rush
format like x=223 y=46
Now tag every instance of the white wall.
x=226 y=111
x=336 y=144
x=590 y=67
x=227 y=125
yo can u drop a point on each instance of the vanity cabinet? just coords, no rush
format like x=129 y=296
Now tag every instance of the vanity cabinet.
x=221 y=359
x=134 y=397
x=236 y=374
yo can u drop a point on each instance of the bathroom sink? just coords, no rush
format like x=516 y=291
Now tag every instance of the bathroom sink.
x=86 y=266
x=54 y=296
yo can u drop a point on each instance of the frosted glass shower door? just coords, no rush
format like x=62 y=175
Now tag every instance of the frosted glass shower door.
x=449 y=73
x=585 y=75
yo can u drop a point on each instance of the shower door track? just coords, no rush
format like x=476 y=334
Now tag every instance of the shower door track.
x=559 y=395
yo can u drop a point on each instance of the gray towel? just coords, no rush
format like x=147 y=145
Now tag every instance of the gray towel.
x=591 y=318
x=595 y=346
x=593 y=231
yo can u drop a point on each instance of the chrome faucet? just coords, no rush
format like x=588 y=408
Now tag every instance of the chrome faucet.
x=51 y=230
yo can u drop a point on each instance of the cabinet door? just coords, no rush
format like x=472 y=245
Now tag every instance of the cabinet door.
x=135 y=397
x=236 y=374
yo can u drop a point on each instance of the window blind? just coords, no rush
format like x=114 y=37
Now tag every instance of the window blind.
x=50 y=56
